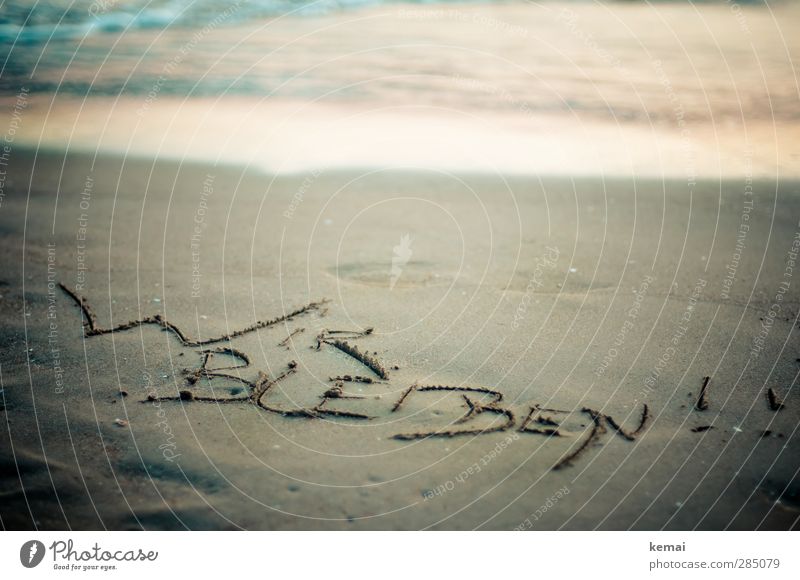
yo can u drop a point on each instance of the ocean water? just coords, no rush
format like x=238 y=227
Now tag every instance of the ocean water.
x=35 y=21
x=619 y=60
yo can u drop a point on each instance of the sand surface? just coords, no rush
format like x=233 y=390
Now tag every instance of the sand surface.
x=588 y=298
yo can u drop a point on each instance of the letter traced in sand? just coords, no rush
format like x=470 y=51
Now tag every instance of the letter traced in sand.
x=363 y=357
x=352 y=379
x=702 y=399
x=285 y=341
x=775 y=402
x=91 y=328
x=538 y=421
x=599 y=429
x=474 y=409
x=546 y=424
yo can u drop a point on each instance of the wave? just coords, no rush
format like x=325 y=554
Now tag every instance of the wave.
x=34 y=21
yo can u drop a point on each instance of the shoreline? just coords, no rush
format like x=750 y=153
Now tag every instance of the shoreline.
x=285 y=139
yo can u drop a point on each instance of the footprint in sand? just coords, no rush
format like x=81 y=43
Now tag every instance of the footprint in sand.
x=554 y=282
x=415 y=273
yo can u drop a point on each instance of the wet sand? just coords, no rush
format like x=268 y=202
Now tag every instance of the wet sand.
x=551 y=310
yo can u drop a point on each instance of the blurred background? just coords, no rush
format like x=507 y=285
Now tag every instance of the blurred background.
x=675 y=89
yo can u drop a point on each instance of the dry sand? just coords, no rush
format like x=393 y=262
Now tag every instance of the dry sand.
x=564 y=293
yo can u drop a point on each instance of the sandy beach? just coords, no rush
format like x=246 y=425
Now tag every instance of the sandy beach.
x=619 y=306
x=310 y=313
